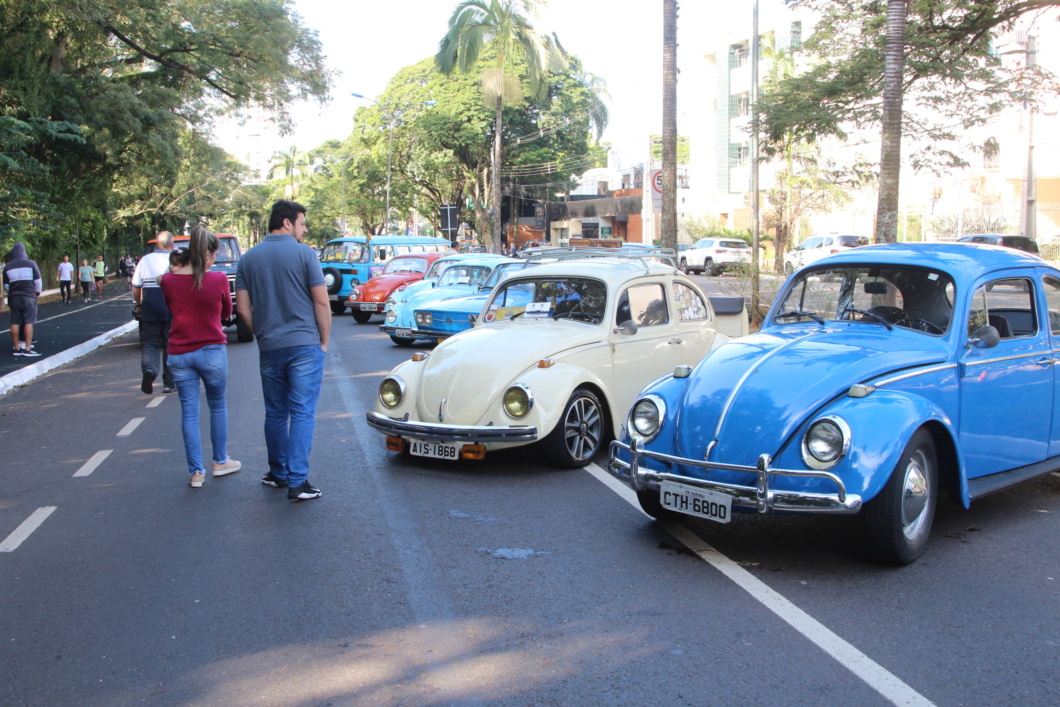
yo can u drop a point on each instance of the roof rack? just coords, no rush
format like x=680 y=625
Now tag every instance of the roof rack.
x=643 y=255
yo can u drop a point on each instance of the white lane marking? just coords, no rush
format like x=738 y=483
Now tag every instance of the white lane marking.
x=12 y=541
x=156 y=401
x=874 y=674
x=83 y=307
x=133 y=424
x=370 y=375
x=90 y=466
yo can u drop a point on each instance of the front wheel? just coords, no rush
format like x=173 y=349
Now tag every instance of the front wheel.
x=578 y=435
x=361 y=317
x=898 y=521
x=708 y=268
x=684 y=266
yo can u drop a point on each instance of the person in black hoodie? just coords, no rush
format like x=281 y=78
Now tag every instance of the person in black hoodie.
x=22 y=282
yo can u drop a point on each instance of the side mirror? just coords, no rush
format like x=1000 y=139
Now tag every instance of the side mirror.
x=471 y=319
x=628 y=327
x=984 y=338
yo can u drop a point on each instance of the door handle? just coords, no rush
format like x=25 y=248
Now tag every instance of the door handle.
x=676 y=340
x=1046 y=362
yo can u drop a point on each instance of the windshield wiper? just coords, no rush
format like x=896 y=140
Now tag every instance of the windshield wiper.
x=799 y=313
x=871 y=315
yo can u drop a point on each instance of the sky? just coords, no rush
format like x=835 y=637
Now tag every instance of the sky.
x=366 y=43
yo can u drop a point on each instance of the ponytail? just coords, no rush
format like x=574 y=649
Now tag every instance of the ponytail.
x=202 y=243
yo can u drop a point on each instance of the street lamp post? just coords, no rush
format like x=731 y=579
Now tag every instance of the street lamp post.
x=392 y=116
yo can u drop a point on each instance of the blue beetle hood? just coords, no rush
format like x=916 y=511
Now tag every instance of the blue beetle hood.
x=767 y=384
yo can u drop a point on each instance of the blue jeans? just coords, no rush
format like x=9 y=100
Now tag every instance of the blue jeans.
x=290 y=385
x=210 y=364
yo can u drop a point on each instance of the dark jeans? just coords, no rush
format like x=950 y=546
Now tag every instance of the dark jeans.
x=154 y=340
x=64 y=290
x=85 y=287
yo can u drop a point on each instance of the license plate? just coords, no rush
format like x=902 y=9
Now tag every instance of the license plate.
x=435 y=450
x=403 y=333
x=368 y=307
x=696 y=502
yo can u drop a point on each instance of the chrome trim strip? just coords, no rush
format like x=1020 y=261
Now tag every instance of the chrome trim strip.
x=969 y=364
x=462 y=433
x=914 y=374
x=747 y=374
x=759 y=497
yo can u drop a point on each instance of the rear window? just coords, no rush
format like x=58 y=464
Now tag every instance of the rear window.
x=853 y=241
x=1022 y=243
x=733 y=244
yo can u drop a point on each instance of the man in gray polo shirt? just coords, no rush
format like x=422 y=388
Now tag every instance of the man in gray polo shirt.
x=280 y=294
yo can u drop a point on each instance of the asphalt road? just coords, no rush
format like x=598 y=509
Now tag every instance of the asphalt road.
x=415 y=582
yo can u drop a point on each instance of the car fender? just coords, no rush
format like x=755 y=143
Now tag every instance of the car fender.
x=552 y=387
x=410 y=372
x=881 y=426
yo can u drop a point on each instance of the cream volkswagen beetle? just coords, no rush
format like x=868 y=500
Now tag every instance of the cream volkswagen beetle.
x=557 y=355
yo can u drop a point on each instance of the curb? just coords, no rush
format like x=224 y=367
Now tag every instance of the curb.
x=29 y=373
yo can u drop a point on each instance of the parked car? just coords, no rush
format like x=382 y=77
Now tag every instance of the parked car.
x=350 y=261
x=370 y=298
x=882 y=376
x=228 y=255
x=558 y=353
x=1024 y=243
x=441 y=319
x=459 y=278
x=813 y=249
x=711 y=256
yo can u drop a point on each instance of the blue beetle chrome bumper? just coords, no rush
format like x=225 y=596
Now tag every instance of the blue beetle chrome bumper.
x=461 y=433
x=761 y=497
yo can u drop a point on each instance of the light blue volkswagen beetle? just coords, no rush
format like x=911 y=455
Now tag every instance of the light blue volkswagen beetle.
x=881 y=377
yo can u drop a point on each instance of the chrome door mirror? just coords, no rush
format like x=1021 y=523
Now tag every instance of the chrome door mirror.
x=985 y=337
x=628 y=327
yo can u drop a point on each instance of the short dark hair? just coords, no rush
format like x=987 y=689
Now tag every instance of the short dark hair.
x=284 y=210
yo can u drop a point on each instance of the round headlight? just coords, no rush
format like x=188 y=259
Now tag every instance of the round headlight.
x=518 y=401
x=391 y=302
x=391 y=316
x=825 y=443
x=355 y=294
x=391 y=392
x=646 y=417
x=428 y=318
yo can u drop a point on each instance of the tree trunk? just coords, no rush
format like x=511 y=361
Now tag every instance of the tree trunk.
x=669 y=127
x=496 y=178
x=891 y=150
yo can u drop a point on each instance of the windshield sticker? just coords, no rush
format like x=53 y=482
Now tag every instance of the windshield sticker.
x=538 y=309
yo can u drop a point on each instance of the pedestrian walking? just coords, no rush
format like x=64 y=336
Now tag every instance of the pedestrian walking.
x=280 y=294
x=100 y=274
x=65 y=274
x=23 y=285
x=154 y=315
x=198 y=300
x=85 y=273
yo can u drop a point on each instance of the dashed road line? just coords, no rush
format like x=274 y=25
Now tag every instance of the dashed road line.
x=18 y=536
x=871 y=672
x=96 y=459
x=156 y=401
x=129 y=428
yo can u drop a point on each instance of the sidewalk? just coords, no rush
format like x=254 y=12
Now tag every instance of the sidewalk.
x=65 y=332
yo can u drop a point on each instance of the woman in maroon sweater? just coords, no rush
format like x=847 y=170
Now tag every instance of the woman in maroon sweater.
x=199 y=300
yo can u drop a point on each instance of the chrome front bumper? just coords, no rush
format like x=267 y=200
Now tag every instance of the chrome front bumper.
x=450 y=433
x=760 y=497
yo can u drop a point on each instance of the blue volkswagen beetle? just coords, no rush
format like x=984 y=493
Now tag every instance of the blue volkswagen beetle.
x=441 y=319
x=882 y=376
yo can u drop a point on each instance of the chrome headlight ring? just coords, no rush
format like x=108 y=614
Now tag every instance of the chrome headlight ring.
x=826 y=442
x=646 y=418
x=355 y=294
x=391 y=392
x=391 y=316
x=517 y=401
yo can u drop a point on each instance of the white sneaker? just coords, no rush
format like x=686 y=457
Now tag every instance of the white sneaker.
x=229 y=467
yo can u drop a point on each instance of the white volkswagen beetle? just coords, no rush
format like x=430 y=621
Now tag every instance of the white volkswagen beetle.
x=557 y=355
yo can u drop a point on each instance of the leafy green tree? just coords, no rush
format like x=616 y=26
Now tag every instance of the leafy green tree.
x=506 y=27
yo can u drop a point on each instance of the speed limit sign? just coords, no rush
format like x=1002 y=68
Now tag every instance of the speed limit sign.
x=656 y=190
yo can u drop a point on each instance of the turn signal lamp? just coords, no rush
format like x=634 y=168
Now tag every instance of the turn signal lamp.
x=473 y=451
x=420 y=356
x=546 y=363
x=395 y=444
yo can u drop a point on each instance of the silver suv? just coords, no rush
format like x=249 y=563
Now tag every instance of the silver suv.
x=815 y=248
x=1024 y=243
x=712 y=255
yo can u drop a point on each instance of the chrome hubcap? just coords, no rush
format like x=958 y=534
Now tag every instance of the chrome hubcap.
x=915 y=495
x=582 y=429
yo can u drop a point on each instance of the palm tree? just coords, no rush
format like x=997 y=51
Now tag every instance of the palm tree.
x=504 y=26
x=669 y=127
x=891 y=150
x=293 y=165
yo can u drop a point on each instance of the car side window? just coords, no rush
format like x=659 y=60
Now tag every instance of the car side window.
x=1052 y=301
x=644 y=304
x=702 y=243
x=690 y=306
x=1007 y=305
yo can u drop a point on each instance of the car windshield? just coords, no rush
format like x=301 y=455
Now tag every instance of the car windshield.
x=228 y=253
x=406 y=265
x=502 y=271
x=458 y=274
x=904 y=296
x=575 y=298
x=347 y=252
